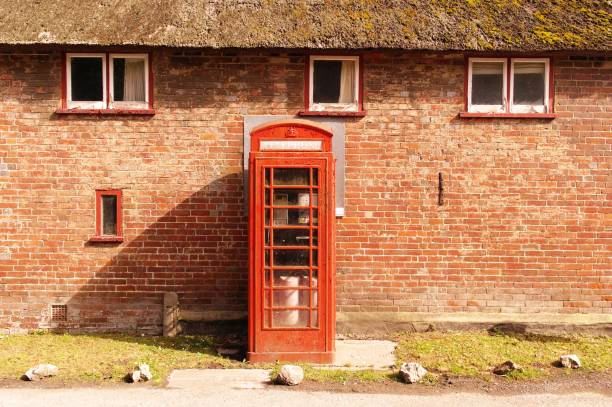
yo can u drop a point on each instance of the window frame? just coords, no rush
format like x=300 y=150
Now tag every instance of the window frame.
x=510 y=111
x=122 y=104
x=106 y=106
x=84 y=104
x=333 y=109
x=488 y=108
x=100 y=236
x=528 y=108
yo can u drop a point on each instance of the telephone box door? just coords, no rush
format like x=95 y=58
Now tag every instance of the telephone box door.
x=291 y=258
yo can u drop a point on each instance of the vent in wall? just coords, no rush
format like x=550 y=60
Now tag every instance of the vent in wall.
x=59 y=313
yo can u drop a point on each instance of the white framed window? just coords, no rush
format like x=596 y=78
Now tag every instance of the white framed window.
x=334 y=84
x=509 y=85
x=487 y=85
x=129 y=81
x=529 y=82
x=86 y=81
x=107 y=81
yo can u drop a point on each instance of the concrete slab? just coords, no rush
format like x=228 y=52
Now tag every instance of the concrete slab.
x=219 y=378
x=364 y=354
x=350 y=355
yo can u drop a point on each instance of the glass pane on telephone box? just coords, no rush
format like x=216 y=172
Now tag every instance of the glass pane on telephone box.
x=291 y=176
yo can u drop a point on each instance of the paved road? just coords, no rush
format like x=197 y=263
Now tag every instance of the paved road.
x=207 y=396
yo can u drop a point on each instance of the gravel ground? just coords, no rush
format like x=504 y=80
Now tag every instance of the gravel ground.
x=214 y=396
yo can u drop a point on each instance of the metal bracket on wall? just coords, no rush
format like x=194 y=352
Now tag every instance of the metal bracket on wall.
x=440 y=190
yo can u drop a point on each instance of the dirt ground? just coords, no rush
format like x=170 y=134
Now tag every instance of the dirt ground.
x=577 y=382
x=560 y=384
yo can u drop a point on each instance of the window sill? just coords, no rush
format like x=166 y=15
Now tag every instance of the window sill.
x=108 y=112
x=361 y=113
x=468 y=115
x=106 y=239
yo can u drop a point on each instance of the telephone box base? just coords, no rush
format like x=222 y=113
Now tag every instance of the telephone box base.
x=312 y=357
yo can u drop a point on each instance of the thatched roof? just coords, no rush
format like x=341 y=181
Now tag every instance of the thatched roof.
x=526 y=25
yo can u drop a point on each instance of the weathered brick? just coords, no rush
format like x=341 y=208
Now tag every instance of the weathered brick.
x=524 y=227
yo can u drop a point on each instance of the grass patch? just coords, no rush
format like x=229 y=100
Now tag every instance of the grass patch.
x=106 y=357
x=474 y=354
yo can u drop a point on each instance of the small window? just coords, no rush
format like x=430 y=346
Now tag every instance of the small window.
x=491 y=89
x=529 y=89
x=334 y=84
x=129 y=81
x=108 y=213
x=124 y=78
x=487 y=87
x=86 y=81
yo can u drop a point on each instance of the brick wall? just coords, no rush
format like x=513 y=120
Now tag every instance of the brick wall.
x=525 y=226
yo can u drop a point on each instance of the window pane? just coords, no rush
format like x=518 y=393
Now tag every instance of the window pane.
x=487 y=83
x=129 y=79
x=109 y=214
x=291 y=257
x=290 y=278
x=326 y=81
x=86 y=79
x=293 y=197
x=281 y=217
x=334 y=82
x=291 y=216
x=118 y=74
x=314 y=322
x=292 y=237
x=314 y=301
x=290 y=318
x=529 y=84
x=290 y=298
x=347 y=82
x=291 y=176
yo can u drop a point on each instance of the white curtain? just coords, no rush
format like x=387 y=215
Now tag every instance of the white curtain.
x=347 y=82
x=134 y=81
x=529 y=68
x=488 y=68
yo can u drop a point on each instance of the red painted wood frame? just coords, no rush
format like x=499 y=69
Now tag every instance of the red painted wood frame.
x=309 y=340
x=307 y=79
x=507 y=114
x=64 y=83
x=290 y=130
x=100 y=236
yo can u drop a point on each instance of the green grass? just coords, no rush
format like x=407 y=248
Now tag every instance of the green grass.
x=107 y=358
x=474 y=354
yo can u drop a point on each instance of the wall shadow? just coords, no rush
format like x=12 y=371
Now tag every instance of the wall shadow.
x=199 y=250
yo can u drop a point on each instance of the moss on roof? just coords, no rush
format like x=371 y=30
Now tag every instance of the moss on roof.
x=527 y=25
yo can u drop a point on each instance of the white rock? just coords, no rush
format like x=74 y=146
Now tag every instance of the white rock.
x=141 y=373
x=39 y=372
x=145 y=372
x=570 y=361
x=135 y=376
x=290 y=375
x=412 y=372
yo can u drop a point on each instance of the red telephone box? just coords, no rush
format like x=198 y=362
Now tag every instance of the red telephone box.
x=291 y=243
